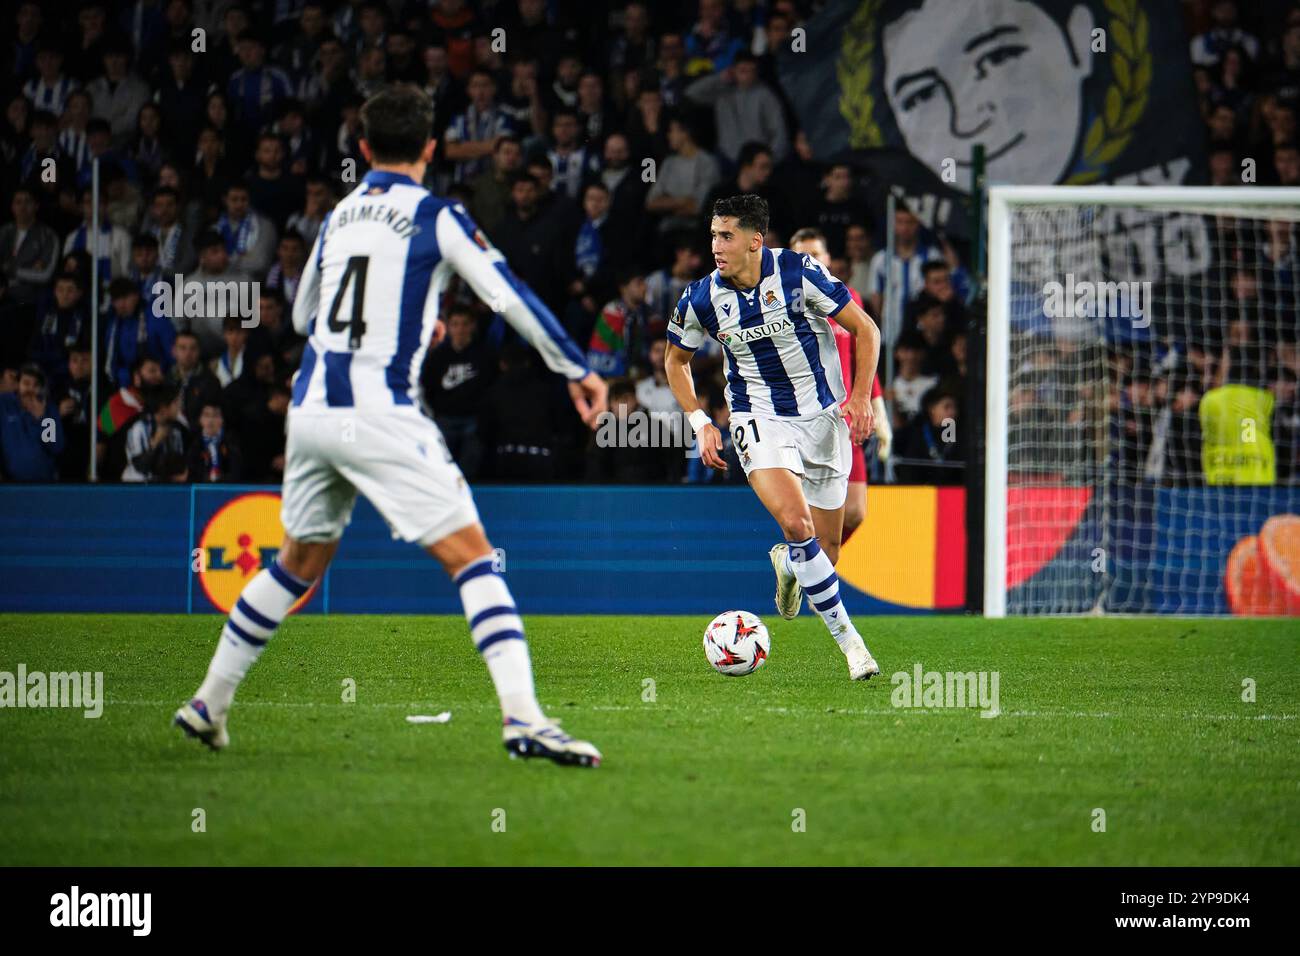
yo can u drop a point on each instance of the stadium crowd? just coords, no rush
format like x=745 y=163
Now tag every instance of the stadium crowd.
x=1220 y=346
x=220 y=160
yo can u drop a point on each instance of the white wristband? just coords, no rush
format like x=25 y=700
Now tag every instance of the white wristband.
x=698 y=419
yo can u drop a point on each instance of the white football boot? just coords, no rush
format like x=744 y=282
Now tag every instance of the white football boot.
x=546 y=739
x=789 y=593
x=862 y=666
x=194 y=719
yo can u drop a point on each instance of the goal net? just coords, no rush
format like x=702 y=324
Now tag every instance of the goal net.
x=1142 y=412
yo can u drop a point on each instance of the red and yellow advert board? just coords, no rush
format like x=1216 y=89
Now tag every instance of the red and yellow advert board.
x=911 y=549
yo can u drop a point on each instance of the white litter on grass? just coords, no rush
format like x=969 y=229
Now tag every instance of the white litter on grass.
x=444 y=717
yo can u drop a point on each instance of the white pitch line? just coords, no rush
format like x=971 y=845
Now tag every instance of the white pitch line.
x=800 y=712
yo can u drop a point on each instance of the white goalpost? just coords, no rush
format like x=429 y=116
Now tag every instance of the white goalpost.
x=1140 y=360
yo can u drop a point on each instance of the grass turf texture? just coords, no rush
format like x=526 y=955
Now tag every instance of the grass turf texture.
x=1142 y=718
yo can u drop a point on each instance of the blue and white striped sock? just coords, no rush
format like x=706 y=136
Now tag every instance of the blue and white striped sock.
x=262 y=605
x=816 y=575
x=498 y=633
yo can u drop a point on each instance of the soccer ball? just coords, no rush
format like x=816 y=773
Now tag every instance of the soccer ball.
x=736 y=643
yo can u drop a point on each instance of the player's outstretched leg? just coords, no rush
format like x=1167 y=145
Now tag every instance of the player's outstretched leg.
x=816 y=575
x=498 y=633
x=262 y=605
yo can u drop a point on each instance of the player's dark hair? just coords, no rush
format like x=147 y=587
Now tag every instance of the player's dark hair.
x=144 y=240
x=397 y=123
x=935 y=265
x=749 y=210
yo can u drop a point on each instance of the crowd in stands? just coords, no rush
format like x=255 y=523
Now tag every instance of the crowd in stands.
x=590 y=153
x=1221 y=347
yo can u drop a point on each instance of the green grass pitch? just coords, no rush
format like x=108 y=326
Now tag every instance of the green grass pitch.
x=1141 y=718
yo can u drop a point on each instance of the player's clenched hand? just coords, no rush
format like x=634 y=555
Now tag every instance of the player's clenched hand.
x=862 y=421
x=439 y=333
x=710 y=442
x=588 y=394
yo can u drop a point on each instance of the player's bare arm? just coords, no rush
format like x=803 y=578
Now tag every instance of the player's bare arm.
x=677 y=366
x=866 y=345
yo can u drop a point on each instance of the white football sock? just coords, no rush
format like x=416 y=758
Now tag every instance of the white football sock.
x=498 y=633
x=819 y=581
x=262 y=605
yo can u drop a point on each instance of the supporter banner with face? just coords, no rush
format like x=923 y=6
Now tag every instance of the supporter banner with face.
x=1057 y=91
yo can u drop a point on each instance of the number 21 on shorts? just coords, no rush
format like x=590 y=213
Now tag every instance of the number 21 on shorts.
x=738 y=433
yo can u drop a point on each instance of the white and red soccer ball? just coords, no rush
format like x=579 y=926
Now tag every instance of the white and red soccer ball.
x=736 y=643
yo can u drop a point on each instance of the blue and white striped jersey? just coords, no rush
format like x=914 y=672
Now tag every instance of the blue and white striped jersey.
x=779 y=348
x=369 y=294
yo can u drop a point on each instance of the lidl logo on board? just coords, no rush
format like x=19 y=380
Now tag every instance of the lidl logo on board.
x=242 y=538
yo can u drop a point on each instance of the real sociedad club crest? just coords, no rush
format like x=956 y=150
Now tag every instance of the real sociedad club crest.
x=769 y=298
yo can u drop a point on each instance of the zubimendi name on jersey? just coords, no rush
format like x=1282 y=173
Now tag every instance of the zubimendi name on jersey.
x=380 y=214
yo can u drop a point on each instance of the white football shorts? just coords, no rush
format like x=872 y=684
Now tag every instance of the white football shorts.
x=816 y=449
x=398 y=460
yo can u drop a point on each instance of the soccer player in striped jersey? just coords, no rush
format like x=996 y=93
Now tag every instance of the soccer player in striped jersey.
x=770 y=311
x=368 y=303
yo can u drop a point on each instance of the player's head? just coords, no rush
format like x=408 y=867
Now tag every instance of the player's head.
x=738 y=226
x=811 y=242
x=397 y=123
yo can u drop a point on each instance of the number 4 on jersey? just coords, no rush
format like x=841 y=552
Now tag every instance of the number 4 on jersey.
x=356 y=325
